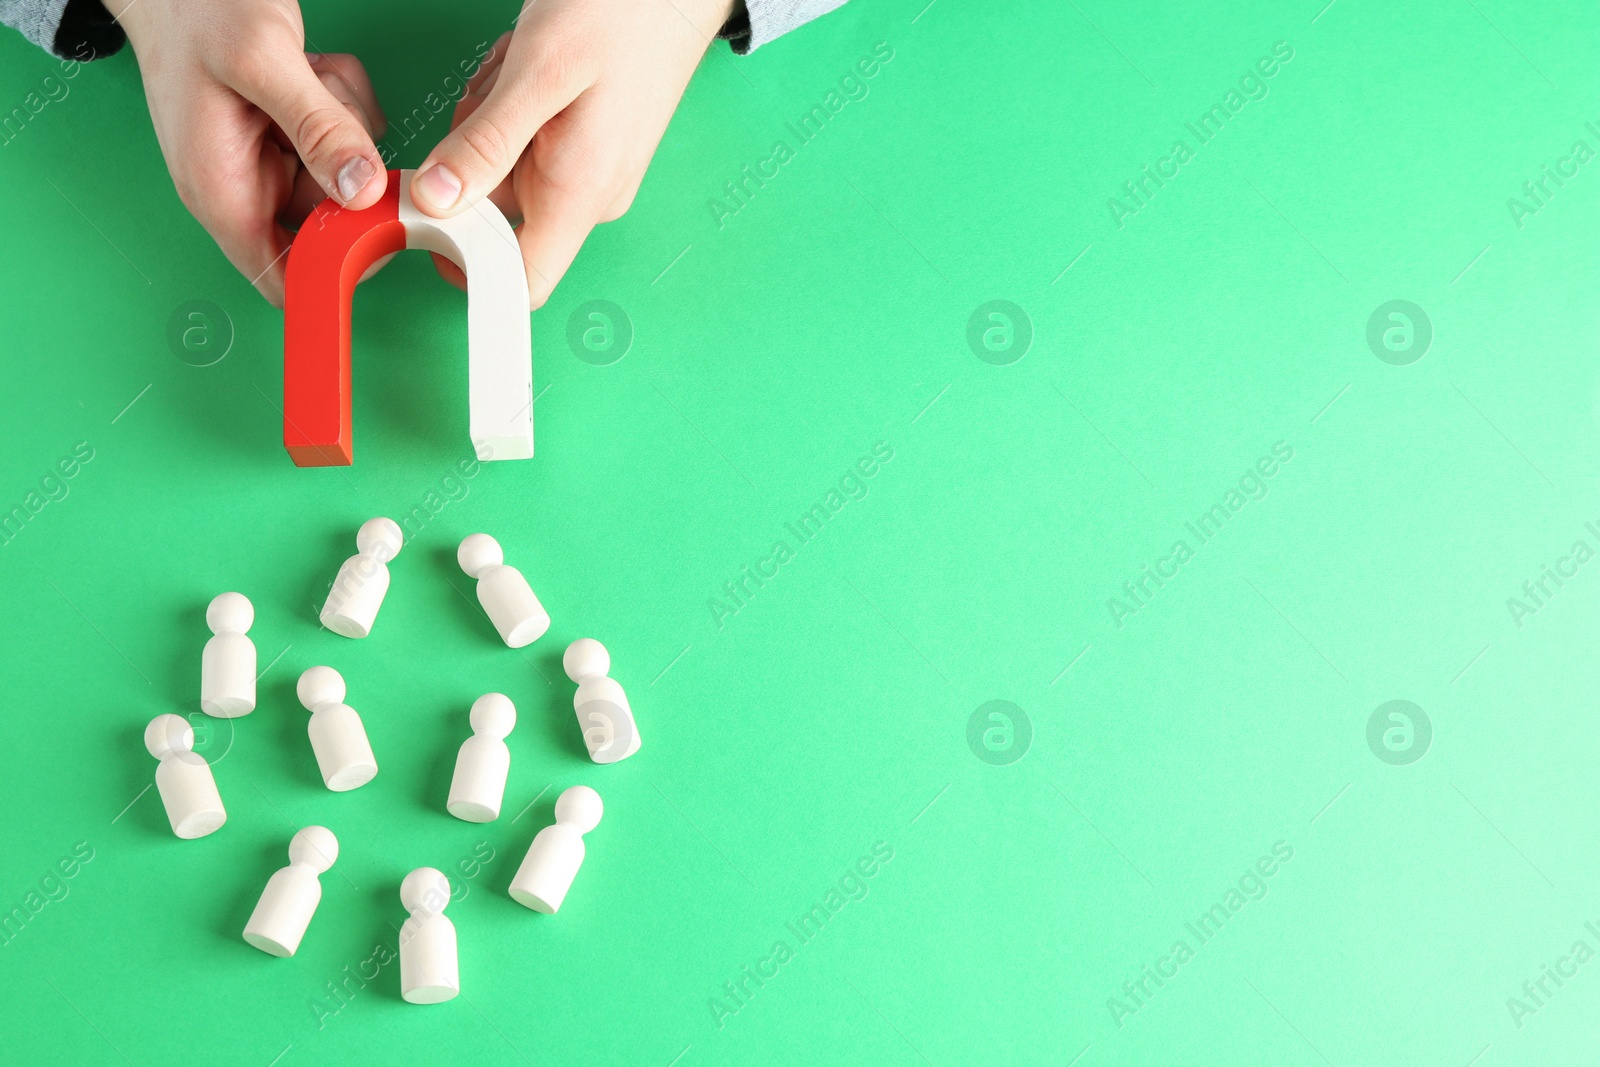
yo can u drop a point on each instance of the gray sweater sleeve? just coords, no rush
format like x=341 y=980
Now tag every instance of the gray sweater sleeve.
x=83 y=29
x=72 y=29
x=758 y=21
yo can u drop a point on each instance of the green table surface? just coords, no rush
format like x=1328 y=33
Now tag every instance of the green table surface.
x=1196 y=833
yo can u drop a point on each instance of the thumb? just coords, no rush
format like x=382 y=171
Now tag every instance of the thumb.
x=335 y=147
x=475 y=157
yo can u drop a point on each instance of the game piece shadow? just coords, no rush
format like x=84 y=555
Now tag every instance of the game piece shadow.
x=341 y=545
x=181 y=686
x=450 y=728
x=292 y=723
x=527 y=826
x=144 y=811
x=384 y=904
x=232 y=918
x=465 y=610
x=558 y=720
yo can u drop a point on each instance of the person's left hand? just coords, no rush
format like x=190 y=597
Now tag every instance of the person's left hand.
x=254 y=130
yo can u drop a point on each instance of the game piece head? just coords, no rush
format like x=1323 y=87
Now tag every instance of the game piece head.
x=425 y=889
x=167 y=734
x=493 y=715
x=230 y=613
x=479 y=552
x=379 y=538
x=319 y=686
x=580 y=808
x=315 y=847
x=585 y=658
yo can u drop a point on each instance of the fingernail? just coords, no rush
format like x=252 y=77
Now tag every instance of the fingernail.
x=439 y=187
x=353 y=177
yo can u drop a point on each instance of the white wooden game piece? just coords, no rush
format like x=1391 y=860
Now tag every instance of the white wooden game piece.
x=479 y=784
x=499 y=345
x=429 y=970
x=292 y=893
x=337 y=736
x=503 y=591
x=357 y=592
x=228 y=664
x=557 y=852
x=602 y=707
x=188 y=791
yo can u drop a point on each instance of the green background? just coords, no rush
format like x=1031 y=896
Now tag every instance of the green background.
x=831 y=713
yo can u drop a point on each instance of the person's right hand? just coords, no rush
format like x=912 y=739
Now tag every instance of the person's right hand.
x=254 y=130
x=559 y=123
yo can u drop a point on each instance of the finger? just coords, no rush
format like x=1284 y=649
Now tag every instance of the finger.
x=336 y=147
x=269 y=281
x=449 y=271
x=236 y=196
x=556 y=220
x=489 y=68
x=376 y=267
x=477 y=155
x=304 y=198
x=486 y=84
x=621 y=202
x=257 y=247
x=501 y=196
x=346 y=78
